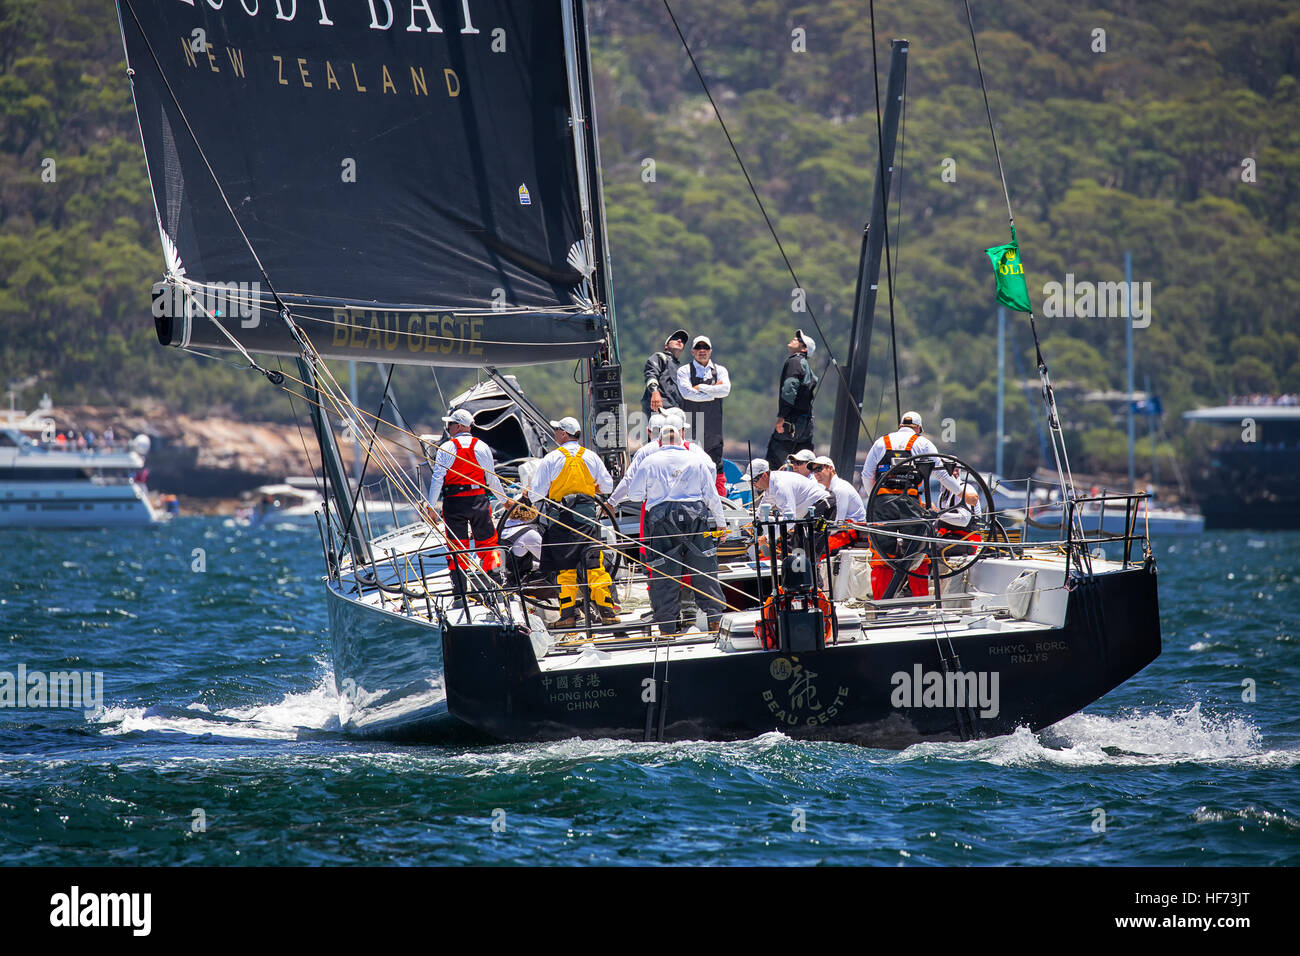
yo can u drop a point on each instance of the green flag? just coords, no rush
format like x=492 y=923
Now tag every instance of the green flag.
x=1009 y=272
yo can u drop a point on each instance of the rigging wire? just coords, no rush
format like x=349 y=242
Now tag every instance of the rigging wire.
x=374 y=435
x=844 y=383
x=326 y=392
x=1064 y=474
x=884 y=207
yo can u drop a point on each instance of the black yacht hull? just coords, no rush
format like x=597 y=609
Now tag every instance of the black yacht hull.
x=876 y=692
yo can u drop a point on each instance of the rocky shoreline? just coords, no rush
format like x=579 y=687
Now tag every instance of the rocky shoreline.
x=204 y=461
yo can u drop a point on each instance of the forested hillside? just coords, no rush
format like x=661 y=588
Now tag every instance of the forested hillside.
x=1169 y=129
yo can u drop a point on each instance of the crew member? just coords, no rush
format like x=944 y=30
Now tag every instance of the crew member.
x=573 y=475
x=682 y=507
x=800 y=462
x=798 y=384
x=622 y=491
x=703 y=384
x=905 y=483
x=956 y=518
x=848 y=503
x=463 y=472
x=522 y=541
x=661 y=375
x=794 y=495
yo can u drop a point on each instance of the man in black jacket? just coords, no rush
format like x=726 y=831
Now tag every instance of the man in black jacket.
x=794 y=418
x=661 y=376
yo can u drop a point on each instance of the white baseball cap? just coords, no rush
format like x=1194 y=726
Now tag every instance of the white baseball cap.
x=679 y=416
x=823 y=460
x=569 y=425
x=758 y=466
x=460 y=416
x=698 y=340
x=803 y=456
x=911 y=418
x=656 y=423
x=806 y=339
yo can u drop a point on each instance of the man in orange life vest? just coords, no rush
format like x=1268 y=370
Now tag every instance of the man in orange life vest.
x=573 y=475
x=463 y=471
x=888 y=450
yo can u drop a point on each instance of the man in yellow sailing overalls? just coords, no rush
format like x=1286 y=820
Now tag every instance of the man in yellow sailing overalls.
x=573 y=475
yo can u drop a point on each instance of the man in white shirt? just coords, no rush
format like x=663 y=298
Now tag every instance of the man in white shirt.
x=703 y=384
x=573 y=475
x=848 y=503
x=682 y=506
x=794 y=495
x=898 y=445
x=657 y=422
x=887 y=451
x=463 y=472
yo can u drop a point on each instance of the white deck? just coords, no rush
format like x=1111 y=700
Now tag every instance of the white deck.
x=974 y=604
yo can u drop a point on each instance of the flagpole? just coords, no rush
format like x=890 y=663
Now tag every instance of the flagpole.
x=1128 y=339
x=1002 y=362
x=1151 y=431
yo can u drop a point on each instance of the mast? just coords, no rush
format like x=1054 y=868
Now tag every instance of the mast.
x=848 y=404
x=352 y=393
x=332 y=464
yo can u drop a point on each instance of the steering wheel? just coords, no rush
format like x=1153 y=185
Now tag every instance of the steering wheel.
x=607 y=522
x=918 y=516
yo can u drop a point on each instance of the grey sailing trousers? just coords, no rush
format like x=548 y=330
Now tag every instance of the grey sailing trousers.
x=674 y=535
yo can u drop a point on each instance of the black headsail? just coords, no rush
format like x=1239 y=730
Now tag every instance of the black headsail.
x=405 y=172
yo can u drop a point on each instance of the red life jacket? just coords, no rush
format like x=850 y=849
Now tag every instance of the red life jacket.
x=465 y=477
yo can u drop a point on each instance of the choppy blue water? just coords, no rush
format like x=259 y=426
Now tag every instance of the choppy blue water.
x=217 y=742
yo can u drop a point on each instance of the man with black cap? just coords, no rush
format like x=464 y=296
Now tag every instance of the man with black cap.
x=661 y=376
x=463 y=473
x=794 y=417
x=704 y=384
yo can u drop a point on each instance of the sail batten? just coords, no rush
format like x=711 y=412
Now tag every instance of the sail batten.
x=393 y=170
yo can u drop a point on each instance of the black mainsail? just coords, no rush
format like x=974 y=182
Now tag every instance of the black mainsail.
x=403 y=174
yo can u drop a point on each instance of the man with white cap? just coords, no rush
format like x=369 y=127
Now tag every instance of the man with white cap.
x=463 y=473
x=887 y=451
x=703 y=384
x=682 y=504
x=848 y=503
x=800 y=462
x=794 y=495
x=572 y=476
x=674 y=416
x=661 y=375
x=798 y=385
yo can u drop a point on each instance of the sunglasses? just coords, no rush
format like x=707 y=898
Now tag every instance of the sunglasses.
x=816 y=467
x=702 y=348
